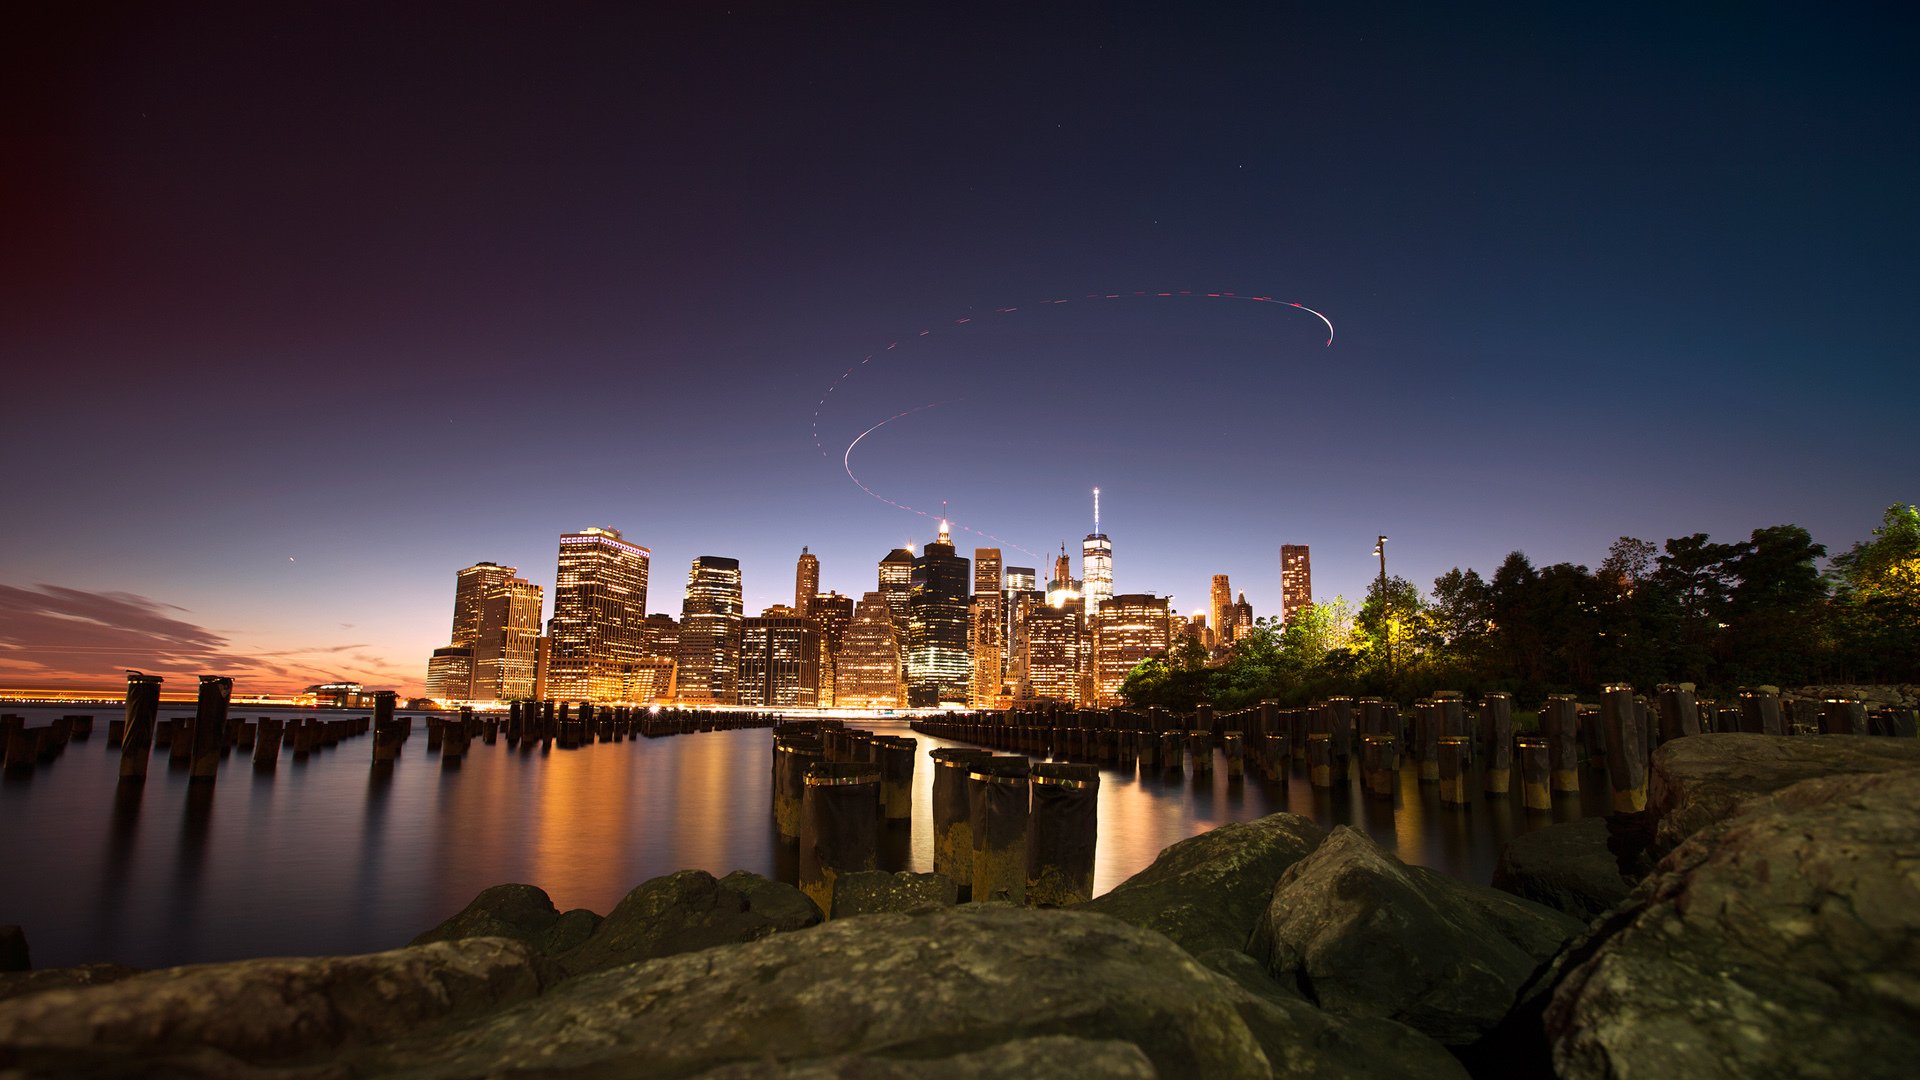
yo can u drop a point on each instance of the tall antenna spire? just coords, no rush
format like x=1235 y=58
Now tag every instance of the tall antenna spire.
x=1096 y=510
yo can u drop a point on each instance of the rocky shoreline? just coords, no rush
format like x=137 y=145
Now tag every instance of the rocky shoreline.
x=1762 y=917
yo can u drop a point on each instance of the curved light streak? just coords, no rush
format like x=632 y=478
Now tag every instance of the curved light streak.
x=846 y=462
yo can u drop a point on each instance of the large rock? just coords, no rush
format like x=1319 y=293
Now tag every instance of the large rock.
x=1048 y=1057
x=15 y=984
x=961 y=987
x=209 y=1018
x=1703 y=779
x=1567 y=867
x=688 y=911
x=1207 y=891
x=1364 y=934
x=1783 y=942
x=875 y=892
x=521 y=912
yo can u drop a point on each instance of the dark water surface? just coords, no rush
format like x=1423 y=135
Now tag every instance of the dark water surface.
x=323 y=857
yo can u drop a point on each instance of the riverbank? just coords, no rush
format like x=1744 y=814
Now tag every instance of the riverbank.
x=1767 y=876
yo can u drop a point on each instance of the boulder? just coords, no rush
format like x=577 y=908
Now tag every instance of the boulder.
x=963 y=991
x=873 y=892
x=1364 y=934
x=1207 y=891
x=15 y=984
x=1703 y=779
x=688 y=911
x=13 y=949
x=1048 y=1057
x=521 y=912
x=1567 y=867
x=201 y=1019
x=1782 y=942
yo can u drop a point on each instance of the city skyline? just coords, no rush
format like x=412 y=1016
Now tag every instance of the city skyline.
x=304 y=347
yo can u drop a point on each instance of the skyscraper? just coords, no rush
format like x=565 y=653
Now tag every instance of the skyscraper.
x=1096 y=563
x=806 y=582
x=1052 y=641
x=599 y=614
x=938 y=667
x=779 y=662
x=450 y=674
x=986 y=628
x=1062 y=589
x=1220 y=610
x=1242 y=618
x=1020 y=581
x=710 y=618
x=1296 y=580
x=834 y=613
x=469 y=591
x=507 y=649
x=896 y=584
x=1129 y=628
x=867 y=666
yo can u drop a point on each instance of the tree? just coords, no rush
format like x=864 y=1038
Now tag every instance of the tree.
x=1696 y=576
x=1462 y=610
x=1879 y=592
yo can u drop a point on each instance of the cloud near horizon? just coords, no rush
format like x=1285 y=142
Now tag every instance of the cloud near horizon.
x=52 y=635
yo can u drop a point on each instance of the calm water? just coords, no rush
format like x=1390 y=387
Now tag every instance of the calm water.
x=322 y=857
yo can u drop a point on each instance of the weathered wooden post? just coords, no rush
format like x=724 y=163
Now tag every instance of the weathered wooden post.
x=1453 y=770
x=952 y=812
x=793 y=755
x=1626 y=749
x=1320 y=759
x=839 y=831
x=1843 y=716
x=1200 y=749
x=1496 y=746
x=1451 y=708
x=1062 y=830
x=1760 y=712
x=1679 y=711
x=1426 y=739
x=1233 y=746
x=997 y=801
x=210 y=726
x=1560 y=725
x=1379 y=765
x=896 y=755
x=266 y=745
x=1276 y=756
x=1173 y=751
x=136 y=742
x=1535 y=773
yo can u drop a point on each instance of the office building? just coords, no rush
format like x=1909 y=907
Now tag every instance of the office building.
x=834 y=612
x=939 y=670
x=1051 y=640
x=1062 y=589
x=649 y=680
x=1129 y=628
x=507 y=648
x=469 y=593
x=1242 y=618
x=896 y=584
x=1220 y=610
x=1296 y=580
x=867 y=666
x=986 y=629
x=806 y=582
x=599 y=614
x=450 y=674
x=710 y=619
x=779 y=663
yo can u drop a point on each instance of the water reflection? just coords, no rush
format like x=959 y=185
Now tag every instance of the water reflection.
x=337 y=856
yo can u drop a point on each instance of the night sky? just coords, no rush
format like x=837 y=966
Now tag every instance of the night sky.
x=305 y=309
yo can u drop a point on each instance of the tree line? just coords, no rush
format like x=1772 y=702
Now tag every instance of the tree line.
x=1722 y=615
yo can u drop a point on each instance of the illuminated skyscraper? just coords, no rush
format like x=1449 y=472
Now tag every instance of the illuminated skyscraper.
x=1096 y=563
x=806 y=582
x=867 y=666
x=507 y=650
x=469 y=592
x=1052 y=642
x=986 y=629
x=779 y=662
x=1220 y=610
x=1022 y=579
x=939 y=669
x=1019 y=580
x=833 y=612
x=1062 y=589
x=662 y=637
x=599 y=615
x=710 y=618
x=1129 y=628
x=1242 y=618
x=1296 y=580
x=896 y=584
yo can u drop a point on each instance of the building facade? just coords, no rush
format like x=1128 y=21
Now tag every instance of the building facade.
x=599 y=615
x=939 y=668
x=450 y=674
x=1096 y=563
x=806 y=582
x=779 y=663
x=986 y=630
x=1129 y=628
x=507 y=649
x=1220 y=610
x=1296 y=580
x=469 y=595
x=710 y=622
x=1051 y=664
x=867 y=665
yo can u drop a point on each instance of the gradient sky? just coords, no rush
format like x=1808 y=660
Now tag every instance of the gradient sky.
x=308 y=307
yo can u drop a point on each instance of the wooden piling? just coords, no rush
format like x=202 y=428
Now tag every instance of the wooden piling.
x=1559 y=725
x=997 y=802
x=1379 y=766
x=1496 y=742
x=1679 y=711
x=952 y=812
x=1535 y=773
x=896 y=757
x=1453 y=752
x=1626 y=749
x=210 y=726
x=136 y=742
x=1062 y=829
x=839 y=831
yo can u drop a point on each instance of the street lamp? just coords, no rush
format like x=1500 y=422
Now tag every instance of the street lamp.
x=1386 y=604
